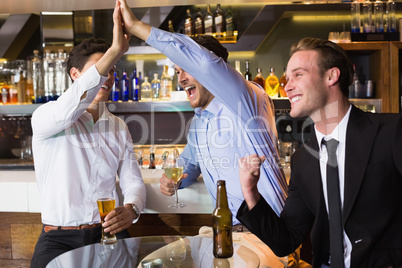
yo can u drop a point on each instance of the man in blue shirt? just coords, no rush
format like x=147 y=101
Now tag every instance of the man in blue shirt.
x=233 y=117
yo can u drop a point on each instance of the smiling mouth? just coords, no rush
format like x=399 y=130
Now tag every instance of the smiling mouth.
x=295 y=99
x=190 y=90
x=105 y=87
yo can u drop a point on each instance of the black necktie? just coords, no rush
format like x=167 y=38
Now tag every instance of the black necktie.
x=334 y=206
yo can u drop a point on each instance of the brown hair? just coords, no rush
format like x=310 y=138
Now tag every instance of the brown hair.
x=80 y=54
x=212 y=44
x=331 y=55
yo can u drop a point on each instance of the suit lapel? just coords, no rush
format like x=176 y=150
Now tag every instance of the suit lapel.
x=360 y=135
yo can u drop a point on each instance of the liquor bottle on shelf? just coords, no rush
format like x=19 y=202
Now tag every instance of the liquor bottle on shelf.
x=115 y=93
x=146 y=90
x=390 y=18
x=198 y=23
x=219 y=21
x=282 y=84
x=61 y=71
x=37 y=78
x=125 y=87
x=259 y=79
x=135 y=86
x=152 y=157
x=5 y=96
x=208 y=21
x=352 y=86
x=229 y=22
x=247 y=73
x=237 y=66
x=379 y=16
x=222 y=224
x=156 y=88
x=29 y=93
x=355 y=15
x=367 y=16
x=49 y=76
x=170 y=26
x=166 y=84
x=21 y=88
x=188 y=23
x=272 y=84
x=13 y=91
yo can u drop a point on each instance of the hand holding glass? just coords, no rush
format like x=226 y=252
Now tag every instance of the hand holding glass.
x=106 y=203
x=174 y=170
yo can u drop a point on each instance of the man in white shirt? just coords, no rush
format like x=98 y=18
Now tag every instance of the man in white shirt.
x=79 y=148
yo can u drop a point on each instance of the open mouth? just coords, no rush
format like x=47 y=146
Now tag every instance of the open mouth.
x=190 y=90
x=295 y=99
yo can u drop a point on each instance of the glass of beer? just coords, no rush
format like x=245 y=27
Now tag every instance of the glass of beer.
x=173 y=168
x=106 y=203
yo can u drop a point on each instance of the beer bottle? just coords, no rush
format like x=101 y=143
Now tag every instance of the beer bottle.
x=222 y=224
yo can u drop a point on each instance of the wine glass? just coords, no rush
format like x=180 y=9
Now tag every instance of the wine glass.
x=106 y=202
x=176 y=251
x=174 y=170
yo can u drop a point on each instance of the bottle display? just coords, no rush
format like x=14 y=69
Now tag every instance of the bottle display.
x=367 y=17
x=272 y=84
x=115 y=93
x=13 y=91
x=282 y=84
x=229 y=22
x=37 y=78
x=166 y=84
x=198 y=23
x=355 y=14
x=379 y=16
x=222 y=224
x=247 y=73
x=390 y=16
x=156 y=88
x=170 y=26
x=49 y=76
x=219 y=21
x=21 y=88
x=125 y=87
x=259 y=79
x=135 y=86
x=152 y=157
x=61 y=73
x=188 y=23
x=237 y=67
x=146 y=91
x=208 y=21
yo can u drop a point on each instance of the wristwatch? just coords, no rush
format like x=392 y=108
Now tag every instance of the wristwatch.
x=137 y=211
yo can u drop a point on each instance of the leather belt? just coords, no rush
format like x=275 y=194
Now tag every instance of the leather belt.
x=48 y=228
x=240 y=228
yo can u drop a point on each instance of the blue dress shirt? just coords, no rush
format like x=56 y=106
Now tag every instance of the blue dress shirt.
x=238 y=122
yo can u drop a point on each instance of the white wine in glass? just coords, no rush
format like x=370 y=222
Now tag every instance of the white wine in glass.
x=174 y=170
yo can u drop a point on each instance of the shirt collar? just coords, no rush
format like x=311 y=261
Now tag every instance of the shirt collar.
x=213 y=108
x=339 y=133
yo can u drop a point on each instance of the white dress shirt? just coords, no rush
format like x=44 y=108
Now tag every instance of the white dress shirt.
x=339 y=133
x=75 y=157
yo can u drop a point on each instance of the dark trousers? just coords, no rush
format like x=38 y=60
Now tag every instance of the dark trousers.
x=54 y=243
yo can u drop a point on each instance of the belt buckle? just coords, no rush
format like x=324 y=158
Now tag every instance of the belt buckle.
x=82 y=226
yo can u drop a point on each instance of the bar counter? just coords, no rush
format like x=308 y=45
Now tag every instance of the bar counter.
x=18 y=187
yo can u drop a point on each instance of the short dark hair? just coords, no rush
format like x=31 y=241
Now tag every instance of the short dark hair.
x=212 y=44
x=331 y=55
x=80 y=54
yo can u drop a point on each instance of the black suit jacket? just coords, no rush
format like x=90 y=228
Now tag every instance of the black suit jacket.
x=372 y=212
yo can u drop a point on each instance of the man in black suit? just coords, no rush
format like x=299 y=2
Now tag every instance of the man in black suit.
x=368 y=167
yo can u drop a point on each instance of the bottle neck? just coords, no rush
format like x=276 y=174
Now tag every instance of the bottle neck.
x=221 y=197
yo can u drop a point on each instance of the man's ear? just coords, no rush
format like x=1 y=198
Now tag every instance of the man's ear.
x=74 y=73
x=333 y=76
